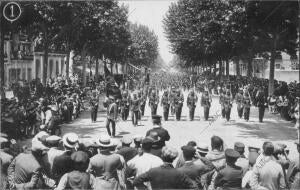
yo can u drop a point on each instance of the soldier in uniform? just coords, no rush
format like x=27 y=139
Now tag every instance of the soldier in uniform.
x=206 y=103
x=221 y=102
x=191 y=102
x=239 y=103
x=165 y=103
x=172 y=98
x=112 y=116
x=125 y=105
x=228 y=104
x=94 y=106
x=178 y=103
x=135 y=108
x=153 y=102
x=261 y=103
x=143 y=97
x=246 y=105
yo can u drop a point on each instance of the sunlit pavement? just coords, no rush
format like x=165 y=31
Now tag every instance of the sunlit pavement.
x=251 y=133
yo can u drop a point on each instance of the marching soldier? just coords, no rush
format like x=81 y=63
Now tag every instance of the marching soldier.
x=178 y=103
x=239 y=101
x=135 y=108
x=228 y=104
x=261 y=103
x=125 y=105
x=246 y=105
x=94 y=106
x=206 y=103
x=192 y=100
x=143 y=97
x=153 y=102
x=165 y=103
x=172 y=98
x=221 y=102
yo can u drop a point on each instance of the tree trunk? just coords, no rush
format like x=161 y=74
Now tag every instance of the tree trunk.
x=117 y=72
x=45 y=62
x=237 y=66
x=1 y=47
x=249 y=66
x=215 y=68
x=227 y=68
x=272 y=67
x=83 y=60
x=97 y=69
x=111 y=68
x=220 y=67
x=67 y=63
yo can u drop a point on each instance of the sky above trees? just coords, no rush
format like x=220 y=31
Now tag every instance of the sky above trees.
x=151 y=14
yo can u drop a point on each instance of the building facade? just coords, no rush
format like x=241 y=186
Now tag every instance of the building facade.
x=21 y=62
x=286 y=68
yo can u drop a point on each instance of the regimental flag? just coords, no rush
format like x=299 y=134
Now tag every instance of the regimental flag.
x=111 y=86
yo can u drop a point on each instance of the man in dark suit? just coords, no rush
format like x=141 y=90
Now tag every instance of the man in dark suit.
x=231 y=176
x=190 y=168
x=165 y=176
x=261 y=103
x=162 y=133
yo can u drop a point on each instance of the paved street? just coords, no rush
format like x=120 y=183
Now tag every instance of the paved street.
x=252 y=133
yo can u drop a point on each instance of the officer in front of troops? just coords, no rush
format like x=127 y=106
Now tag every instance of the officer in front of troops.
x=246 y=105
x=94 y=106
x=125 y=105
x=191 y=102
x=206 y=103
x=153 y=102
x=112 y=116
x=135 y=108
x=239 y=103
x=165 y=103
x=228 y=104
x=261 y=103
x=178 y=103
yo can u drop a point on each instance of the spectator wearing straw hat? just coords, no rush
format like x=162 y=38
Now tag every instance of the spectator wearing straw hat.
x=63 y=163
x=165 y=176
x=78 y=178
x=105 y=163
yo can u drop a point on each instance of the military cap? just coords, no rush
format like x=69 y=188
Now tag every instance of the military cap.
x=126 y=140
x=230 y=153
x=239 y=146
x=156 y=118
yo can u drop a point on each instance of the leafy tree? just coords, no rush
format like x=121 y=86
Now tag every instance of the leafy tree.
x=144 y=47
x=276 y=29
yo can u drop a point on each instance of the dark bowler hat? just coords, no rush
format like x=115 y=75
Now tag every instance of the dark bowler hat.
x=156 y=118
x=188 y=151
x=230 y=153
x=240 y=147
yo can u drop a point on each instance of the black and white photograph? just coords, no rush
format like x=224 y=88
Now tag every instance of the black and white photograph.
x=150 y=94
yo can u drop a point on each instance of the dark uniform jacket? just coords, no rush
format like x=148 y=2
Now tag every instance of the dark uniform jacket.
x=165 y=177
x=192 y=100
x=229 y=178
